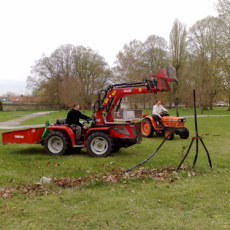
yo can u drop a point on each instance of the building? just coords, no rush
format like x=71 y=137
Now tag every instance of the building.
x=5 y=100
x=23 y=99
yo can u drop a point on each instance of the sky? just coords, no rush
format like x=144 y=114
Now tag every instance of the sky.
x=31 y=28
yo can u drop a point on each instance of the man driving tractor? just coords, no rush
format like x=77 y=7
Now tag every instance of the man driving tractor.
x=73 y=117
x=158 y=110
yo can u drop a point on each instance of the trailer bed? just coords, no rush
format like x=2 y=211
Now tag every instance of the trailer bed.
x=25 y=136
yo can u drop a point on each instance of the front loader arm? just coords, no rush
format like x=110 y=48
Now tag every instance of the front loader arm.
x=116 y=92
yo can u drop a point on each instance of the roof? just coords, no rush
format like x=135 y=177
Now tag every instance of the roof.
x=24 y=99
x=5 y=99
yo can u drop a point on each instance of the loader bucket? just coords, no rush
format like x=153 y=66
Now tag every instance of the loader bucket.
x=171 y=73
x=164 y=76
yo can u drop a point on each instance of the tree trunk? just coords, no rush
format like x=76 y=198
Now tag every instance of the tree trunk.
x=201 y=110
x=228 y=103
x=210 y=106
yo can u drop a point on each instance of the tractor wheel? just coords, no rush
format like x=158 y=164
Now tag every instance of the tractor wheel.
x=99 y=144
x=146 y=128
x=166 y=133
x=57 y=143
x=185 y=134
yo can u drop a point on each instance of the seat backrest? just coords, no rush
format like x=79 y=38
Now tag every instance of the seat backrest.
x=61 y=121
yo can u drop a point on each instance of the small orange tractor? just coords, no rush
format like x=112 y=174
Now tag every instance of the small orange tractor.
x=168 y=127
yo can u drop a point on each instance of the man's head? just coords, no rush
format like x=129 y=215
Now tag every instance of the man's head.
x=76 y=106
x=158 y=102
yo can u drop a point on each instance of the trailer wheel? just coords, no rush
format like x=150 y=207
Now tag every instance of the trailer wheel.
x=99 y=144
x=185 y=134
x=57 y=143
x=146 y=128
x=171 y=136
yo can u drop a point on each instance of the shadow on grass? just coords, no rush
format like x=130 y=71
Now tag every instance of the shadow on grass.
x=39 y=150
x=123 y=153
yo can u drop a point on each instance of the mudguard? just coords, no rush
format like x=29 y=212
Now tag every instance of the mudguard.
x=65 y=129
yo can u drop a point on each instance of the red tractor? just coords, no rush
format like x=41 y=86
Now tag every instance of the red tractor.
x=104 y=135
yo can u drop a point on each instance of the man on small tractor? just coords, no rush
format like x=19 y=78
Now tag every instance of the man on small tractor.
x=159 y=112
x=73 y=117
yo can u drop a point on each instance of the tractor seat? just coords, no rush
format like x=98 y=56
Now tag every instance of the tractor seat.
x=61 y=121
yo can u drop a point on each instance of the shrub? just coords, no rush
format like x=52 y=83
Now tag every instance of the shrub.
x=1 y=106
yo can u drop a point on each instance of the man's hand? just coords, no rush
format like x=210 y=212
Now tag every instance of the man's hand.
x=84 y=127
x=160 y=116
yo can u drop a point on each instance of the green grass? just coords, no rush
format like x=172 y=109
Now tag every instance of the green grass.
x=10 y=115
x=189 y=112
x=190 y=202
x=52 y=117
x=63 y=113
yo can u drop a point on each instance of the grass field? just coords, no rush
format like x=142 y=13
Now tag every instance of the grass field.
x=105 y=199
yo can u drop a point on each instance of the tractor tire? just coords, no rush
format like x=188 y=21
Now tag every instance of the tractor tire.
x=99 y=144
x=57 y=143
x=185 y=134
x=166 y=133
x=146 y=128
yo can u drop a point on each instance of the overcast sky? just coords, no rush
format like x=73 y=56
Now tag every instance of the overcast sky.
x=30 y=28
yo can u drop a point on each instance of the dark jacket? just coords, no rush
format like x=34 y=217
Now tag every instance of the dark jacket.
x=73 y=117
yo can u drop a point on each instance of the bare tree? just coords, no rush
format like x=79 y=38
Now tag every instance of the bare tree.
x=69 y=74
x=130 y=67
x=140 y=60
x=155 y=54
x=92 y=73
x=129 y=62
x=204 y=62
x=223 y=8
x=155 y=58
x=178 y=56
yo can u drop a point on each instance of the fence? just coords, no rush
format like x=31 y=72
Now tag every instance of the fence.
x=127 y=114
x=24 y=107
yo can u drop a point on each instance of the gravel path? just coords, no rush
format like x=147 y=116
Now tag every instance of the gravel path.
x=14 y=124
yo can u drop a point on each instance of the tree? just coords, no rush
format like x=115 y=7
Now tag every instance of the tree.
x=140 y=60
x=130 y=67
x=1 y=106
x=203 y=40
x=49 y=72
x=69 y=74
x=155 y=58
x=10 y=94
x=178 y=56
x=129 y=62
x=223 y=8
x=155 y=54
x=92 y=73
